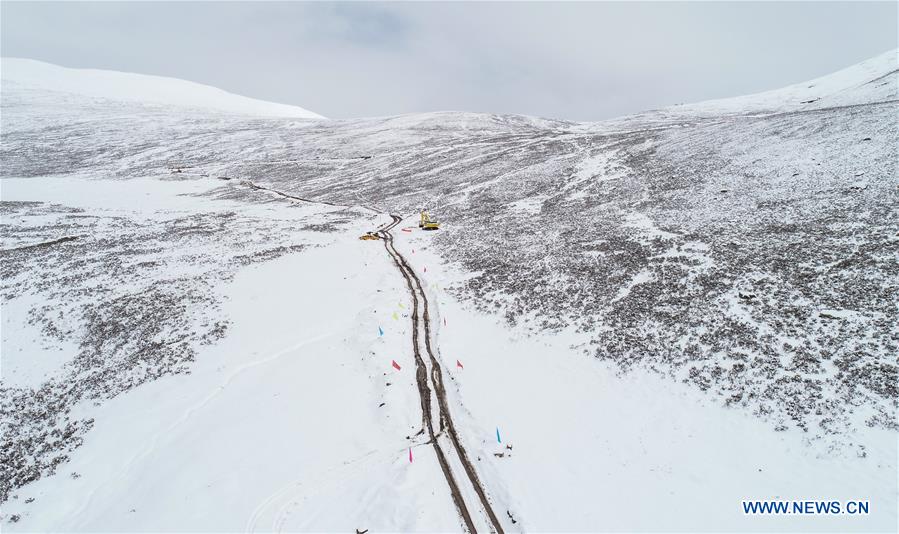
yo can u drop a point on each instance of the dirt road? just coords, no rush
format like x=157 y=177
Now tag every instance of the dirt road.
x=428 y=374
x=431 y=367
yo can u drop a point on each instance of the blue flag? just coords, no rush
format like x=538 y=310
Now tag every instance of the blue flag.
x=380 y=332
x=497 y=436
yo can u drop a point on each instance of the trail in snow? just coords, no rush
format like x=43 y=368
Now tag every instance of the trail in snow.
x=446 y=420
x=258 y=187
x=420 y=301
x=421 y=378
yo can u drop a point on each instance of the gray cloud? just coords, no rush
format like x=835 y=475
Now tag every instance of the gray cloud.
x=580 y=61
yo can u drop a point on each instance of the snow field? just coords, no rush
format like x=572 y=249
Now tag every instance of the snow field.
x=278 y=427
x=280 y=424
x=596 y=450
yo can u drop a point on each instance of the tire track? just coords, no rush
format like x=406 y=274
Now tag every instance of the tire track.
x=436 y=378
x=258 y=187
x=421 y=377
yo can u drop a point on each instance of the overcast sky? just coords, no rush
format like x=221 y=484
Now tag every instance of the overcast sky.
x=578 y=61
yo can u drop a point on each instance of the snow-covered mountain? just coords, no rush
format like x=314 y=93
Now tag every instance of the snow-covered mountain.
x=679 y=309
x=873 y=80
x=169 y=93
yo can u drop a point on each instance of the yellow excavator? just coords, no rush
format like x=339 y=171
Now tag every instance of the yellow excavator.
x=427 y=223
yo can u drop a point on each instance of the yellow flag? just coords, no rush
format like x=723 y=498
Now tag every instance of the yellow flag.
x=395 y=317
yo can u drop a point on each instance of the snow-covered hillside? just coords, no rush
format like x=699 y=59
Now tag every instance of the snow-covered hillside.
x=873 y=80
x=169 y=93
x=641 y=322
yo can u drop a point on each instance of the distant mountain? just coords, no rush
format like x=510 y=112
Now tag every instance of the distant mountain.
x=130 y=87
x=872 y=80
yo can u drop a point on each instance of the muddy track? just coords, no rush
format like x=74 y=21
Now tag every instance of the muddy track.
x=421 y=377
x=252 y=185
x=419 y=298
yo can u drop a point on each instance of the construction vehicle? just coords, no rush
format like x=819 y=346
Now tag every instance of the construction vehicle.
x=427 y=223
x=369 y=236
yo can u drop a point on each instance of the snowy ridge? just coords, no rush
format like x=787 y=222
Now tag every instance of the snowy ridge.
x=145 y=89
x=873 y=80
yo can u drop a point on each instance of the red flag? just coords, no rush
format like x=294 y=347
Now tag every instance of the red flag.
x=395 y=365
x=410 y=455
x=407 y=230
x=459 y=364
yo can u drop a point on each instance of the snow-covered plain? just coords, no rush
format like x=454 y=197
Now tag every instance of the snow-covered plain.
x=662 y=315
